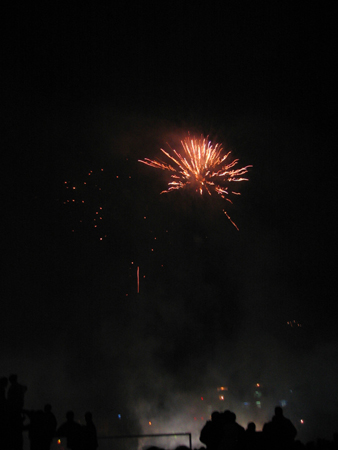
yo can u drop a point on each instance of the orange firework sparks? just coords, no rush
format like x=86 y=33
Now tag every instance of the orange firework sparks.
x=202 y=167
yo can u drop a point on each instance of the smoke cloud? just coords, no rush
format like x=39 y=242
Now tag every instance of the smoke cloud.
x=223 y=311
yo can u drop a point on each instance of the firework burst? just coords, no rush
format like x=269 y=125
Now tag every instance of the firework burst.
x=202 y=167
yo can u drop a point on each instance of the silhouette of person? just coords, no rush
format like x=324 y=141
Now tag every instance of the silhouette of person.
x=51 y=423
x=15 y=402
x=334 y=444
x=233 y=434
x=3 y=387
x=37 y=430
x=4 y=435
x=15 y=395
x=72 y=431
x=89 y=433
x=252 y=437
x=280 y=432
x=211 y=432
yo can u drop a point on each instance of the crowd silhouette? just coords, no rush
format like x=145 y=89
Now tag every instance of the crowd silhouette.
x=222 y=432
x=42 y=424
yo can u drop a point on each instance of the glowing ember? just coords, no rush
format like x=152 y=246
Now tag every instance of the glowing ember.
x=201 y=166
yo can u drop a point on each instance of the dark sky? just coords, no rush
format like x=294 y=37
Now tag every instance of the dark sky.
x=95 y=88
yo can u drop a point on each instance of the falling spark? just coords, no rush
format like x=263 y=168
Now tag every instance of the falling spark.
x=90 y=208
x=202 y=167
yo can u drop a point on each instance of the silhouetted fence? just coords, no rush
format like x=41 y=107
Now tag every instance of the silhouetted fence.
x=137 y=436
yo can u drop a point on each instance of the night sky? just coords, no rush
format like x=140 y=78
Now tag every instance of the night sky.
x=89 y=91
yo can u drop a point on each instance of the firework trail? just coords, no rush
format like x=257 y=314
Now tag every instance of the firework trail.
x=202 y=167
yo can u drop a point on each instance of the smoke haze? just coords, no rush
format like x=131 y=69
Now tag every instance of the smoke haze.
x=216 y=307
